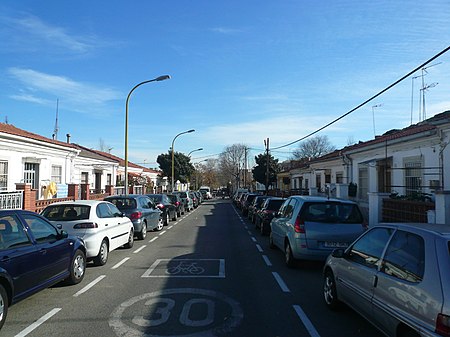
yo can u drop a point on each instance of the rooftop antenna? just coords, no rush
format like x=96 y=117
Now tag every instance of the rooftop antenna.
x=422 y=116
x=55 y=131
x=373 y=118
x=427 y=86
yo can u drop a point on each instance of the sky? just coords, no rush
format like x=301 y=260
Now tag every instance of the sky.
x=241 y=71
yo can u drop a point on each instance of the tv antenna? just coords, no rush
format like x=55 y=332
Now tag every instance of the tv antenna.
x=56 y=129
x=373 y=117
x=425 y=87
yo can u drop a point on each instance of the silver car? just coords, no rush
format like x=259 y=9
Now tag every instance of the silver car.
x=309 y=228
x=397 y=276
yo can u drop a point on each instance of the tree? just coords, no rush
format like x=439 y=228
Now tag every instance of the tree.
x=313 y=148
x=260 y=170
x=231 y=161
x=183 y=168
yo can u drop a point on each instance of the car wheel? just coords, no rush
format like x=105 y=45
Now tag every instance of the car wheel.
x=160 y=224
x=102 y=256
x=262 y=229
x=174 y=218
x=3 y=305
x=143 y=232
x=289 y=258
x=77 y=268
x=130 y=242
x=166 y=220
x=271 y=244
x=329 y=291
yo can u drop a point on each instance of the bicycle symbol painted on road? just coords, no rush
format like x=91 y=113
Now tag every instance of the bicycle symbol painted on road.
x=185 y=268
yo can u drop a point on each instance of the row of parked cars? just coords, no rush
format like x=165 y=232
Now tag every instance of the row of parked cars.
x=73 y=233
x=395 y=275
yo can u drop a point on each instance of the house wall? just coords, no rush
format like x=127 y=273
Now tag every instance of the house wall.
x=92 y=166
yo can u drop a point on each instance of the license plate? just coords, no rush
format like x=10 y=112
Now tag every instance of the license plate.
x=329 y=244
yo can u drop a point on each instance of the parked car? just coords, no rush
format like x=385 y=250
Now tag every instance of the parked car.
x=255 y=206
x=164 y=203
x=141 y=210
x=178 y=203
x=35 y=255
x=397 y=276
x=266 y=213
x=101 y=225
x=309 y=227
x=188 y=204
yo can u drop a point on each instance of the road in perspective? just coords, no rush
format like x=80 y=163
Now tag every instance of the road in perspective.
x=210 y=273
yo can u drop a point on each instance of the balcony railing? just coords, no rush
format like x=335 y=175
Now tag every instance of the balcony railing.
x=11 y=200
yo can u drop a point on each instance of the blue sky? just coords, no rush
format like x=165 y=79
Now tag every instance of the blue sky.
x=241 y=71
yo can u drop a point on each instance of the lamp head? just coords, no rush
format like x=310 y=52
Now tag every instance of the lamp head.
x=162 y=78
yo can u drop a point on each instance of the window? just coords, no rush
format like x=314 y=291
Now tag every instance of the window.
x=339 y=178
x=103 y=211
x=30 y=174
x=363 y=182
x=405 y=257
x=84 y=177
x=3 y=175
x=56 y=174
x=12 y=233
x=369 y=248
x=41 y=230
x=108 y=179
x=413 y=175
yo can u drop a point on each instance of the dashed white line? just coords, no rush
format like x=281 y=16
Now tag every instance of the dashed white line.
x=170 y=227
x=283 y=286
x=139 y=249
x=120 y=263
x=153 y=239
x=38 y=323
x=90 y=285
x=162 y=233
x=253 y=239
x=306 y=322
x=259 y=248
x=267 y=261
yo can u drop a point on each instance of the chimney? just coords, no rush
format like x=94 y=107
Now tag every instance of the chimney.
x=68 y=138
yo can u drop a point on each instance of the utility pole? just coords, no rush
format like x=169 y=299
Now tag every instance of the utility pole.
x=266 y=142
x=245 y=167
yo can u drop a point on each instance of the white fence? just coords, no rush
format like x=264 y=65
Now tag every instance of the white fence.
x=11 y=200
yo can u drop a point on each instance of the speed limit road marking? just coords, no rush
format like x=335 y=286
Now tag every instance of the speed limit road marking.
x=184 y=312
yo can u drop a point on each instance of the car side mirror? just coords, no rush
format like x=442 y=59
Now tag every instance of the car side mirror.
x=62 y=234
x=338 y=253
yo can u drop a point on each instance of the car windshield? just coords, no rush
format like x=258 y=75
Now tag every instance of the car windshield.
x=173 y=198
x=274 y=205
x=156 y=197
x=331 y=212
x=67 y=212
x=183 y=194
x=123 y=203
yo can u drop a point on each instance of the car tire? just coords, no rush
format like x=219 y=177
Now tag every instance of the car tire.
x=143 y=233
x=166 y=220
x=102 y=257
x=3 y=305
x=262 y=229
x=175 y=217
x=77 y=268
x=329 y=291
x=289 y=258
x=271 y=244
x=160 y=225
x=130 y=242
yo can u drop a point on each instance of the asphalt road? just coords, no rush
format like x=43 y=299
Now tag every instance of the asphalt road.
x=208 y=274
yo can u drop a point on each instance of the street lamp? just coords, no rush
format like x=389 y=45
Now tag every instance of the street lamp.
x=200 y=149
x=173 y=150
x=157 y=79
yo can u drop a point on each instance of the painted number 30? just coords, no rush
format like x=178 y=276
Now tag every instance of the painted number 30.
x=163 y=312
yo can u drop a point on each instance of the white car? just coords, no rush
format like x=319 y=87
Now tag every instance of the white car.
x=101 y=225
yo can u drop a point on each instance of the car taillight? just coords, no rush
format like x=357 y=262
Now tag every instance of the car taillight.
x=299 y=225
x=135 y=215
x=177 y=203
x=443 y=325
x=85 y=225
x=161 y=206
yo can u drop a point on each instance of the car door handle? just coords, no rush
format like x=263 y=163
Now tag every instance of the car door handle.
x=375 y=281
x=5 y=259
x=106 y=225
x=43 y=251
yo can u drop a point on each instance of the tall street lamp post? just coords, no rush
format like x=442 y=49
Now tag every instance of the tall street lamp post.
x=200 y=149
x=157 y=79
x=173 y=151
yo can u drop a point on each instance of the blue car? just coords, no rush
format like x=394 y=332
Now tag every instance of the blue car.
x=24 y=269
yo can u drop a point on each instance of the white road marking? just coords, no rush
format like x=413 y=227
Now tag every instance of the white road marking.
x=267 y=261
x=120 y=263
x=281 y=283
x=253 y=239
x=170 y=227
x=139 y=249
x=90 y=285
x=306 y=322
x=38 y=323
x=259 y=248
x=162 y=233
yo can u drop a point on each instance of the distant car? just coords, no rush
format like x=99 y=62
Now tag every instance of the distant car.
x=187 y=200
x=35 y=255
x=178 y=203
x=266 y=213
x=309 y=228
x=141 y=210
x=101 y=225
x=397 y=276
x=164 y=203
x=255 y=206
x=246 y=201
x=194 y=198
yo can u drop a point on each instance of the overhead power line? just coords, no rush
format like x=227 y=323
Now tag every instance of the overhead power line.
x=368 y=100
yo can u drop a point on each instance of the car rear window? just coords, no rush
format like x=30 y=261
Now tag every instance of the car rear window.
x=67 y=212
x=331 y=212
x=274 y=205
x=123 y=203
